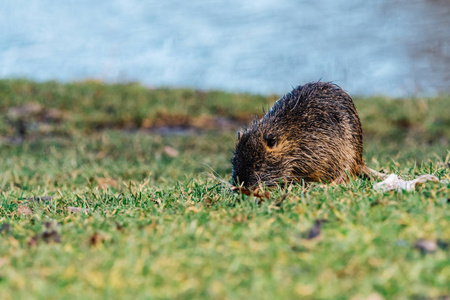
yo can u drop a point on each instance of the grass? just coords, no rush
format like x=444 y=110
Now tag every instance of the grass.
x=155 y=223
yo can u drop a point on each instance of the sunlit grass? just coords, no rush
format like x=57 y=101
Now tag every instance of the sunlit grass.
x=154 y=219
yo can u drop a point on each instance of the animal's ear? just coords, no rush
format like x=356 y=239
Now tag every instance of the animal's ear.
x=239 y=135
x=270 y=140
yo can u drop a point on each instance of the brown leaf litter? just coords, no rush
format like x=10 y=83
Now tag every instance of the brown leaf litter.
x=171 y=152
x=96 y=239
x=49 y=235
x=24 y=210
x=316 y=230
x=104 y=183
x=258 y=192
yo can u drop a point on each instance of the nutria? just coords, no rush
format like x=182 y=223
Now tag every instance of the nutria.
x=312 y=134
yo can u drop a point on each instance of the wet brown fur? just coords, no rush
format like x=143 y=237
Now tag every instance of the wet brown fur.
x=312 y=133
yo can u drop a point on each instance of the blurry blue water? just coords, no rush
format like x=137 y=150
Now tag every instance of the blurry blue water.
x=262 y=46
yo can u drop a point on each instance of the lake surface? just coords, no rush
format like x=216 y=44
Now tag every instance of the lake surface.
x=389 y=47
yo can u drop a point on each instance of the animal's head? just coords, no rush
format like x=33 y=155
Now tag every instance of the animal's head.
x=261 y=156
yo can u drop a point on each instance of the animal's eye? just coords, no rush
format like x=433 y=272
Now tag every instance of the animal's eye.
x=258 y=166
x=271 y=140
